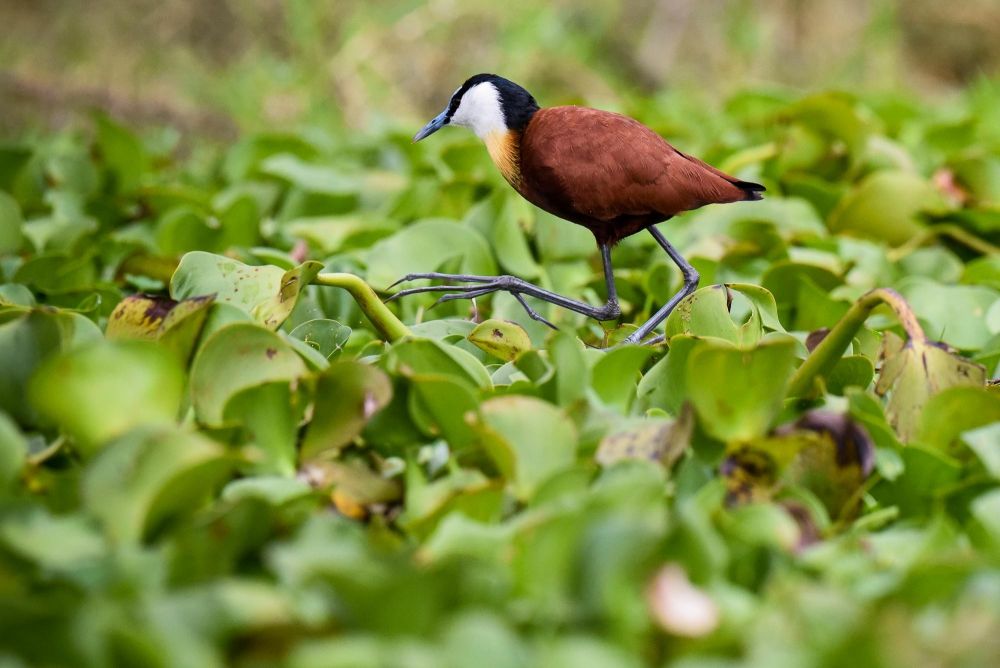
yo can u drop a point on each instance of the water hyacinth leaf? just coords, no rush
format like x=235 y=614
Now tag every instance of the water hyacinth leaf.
x=348 y=394
x=14 y=294
x=765 y=525
x=863 y=211
x=99 y=392
x=835 y=458
x=327 y=337
x=427 y=356
x=26 y=340
x=69 y=545
x=850 y=371
x=500 y=338
x=273 y=490
x=784 y=280
x=176 y=325
x=983 y=441
x=955 y=410
x=509 y=241
x=665 y=384
x=11 y=236
x=234 y=358
x=151 y=475
x=566 y=353
x=442 y=406
x=704 y=313
x=421 y=247
x=653 y=439
x=267 y=293
x=986 y=511
x=266 y=411
x=13 y=450
x=737 y=393
x=614 y=375
x=529 y=440
x=951 y=313
x=122 y=153
x=310 y=177
x=914 y=372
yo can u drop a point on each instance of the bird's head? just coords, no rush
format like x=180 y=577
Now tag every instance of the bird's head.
x=485 y=103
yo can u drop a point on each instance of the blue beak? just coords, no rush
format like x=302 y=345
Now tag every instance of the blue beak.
x=439 y=122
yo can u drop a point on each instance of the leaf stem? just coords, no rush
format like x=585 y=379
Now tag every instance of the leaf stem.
x=388 y=325
x=957 y=233
x=828 y=352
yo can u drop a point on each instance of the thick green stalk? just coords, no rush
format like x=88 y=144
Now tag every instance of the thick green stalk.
x=828 y=352
x=388 y=325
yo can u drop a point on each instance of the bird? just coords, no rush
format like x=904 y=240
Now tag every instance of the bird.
x=599 y=169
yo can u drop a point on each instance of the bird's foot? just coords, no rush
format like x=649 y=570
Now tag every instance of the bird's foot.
x=484 y=286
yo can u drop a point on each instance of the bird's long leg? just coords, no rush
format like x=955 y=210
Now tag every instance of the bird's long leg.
x=691 y=279
x=518 y=287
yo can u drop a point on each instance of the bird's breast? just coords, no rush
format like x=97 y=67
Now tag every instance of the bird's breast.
x=504 y=147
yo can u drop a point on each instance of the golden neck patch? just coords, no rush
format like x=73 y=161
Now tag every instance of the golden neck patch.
x=504 y=147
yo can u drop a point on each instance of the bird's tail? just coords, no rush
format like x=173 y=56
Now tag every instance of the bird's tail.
x=753 y=190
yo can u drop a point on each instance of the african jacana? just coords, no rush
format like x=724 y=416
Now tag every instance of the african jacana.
x=602 y=170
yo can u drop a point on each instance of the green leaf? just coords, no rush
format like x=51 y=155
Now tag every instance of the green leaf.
x=267 y=293
x=150 y=476
x=99 y=392
x=426 y=246
x=955 y=410
x=442 y=406
x=529 y=440
x=737 y=393
x=509 y=240
x=983 y=441
x=327 y=337
x=11 y=236
x=70 y=545
x=952 y=313
x=886 y=206
x=665 y=384
x=500 y=338
x=13 y=450
x=426 y=356
x=234 y=358
x=267 y=412
x=704 y=313
x=26 y=340
x=122 y=153
x=614 y=375
x=348 y=394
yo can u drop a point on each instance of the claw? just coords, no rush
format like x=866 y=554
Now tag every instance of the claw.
x=472 y=294
x=532 y=313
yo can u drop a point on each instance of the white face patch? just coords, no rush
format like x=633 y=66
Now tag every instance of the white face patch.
x=480 y=110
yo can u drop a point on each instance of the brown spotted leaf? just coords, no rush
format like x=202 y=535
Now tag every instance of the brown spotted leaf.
x=501 y=338
x=175 y=324
x=659 y=440
x=913 y=372
x=266 y=292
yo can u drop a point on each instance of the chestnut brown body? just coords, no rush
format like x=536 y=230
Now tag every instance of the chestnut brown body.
x=609 y=173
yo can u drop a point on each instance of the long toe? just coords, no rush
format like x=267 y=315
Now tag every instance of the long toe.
x=434 y=275
x=434 y=288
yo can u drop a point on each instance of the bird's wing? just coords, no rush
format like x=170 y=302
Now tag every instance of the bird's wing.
x=603 y=166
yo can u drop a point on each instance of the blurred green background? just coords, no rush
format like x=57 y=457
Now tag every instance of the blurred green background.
x=220 y=66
